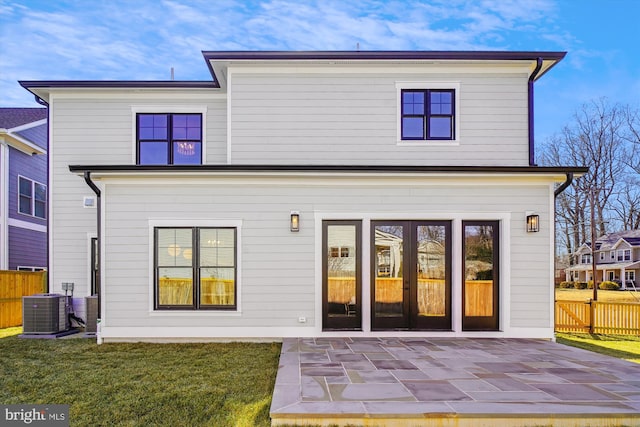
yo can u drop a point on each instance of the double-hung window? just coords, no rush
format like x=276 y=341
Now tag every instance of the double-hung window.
x=428 y=114
x=32 y=198
x=169 y=139
x=195 y=268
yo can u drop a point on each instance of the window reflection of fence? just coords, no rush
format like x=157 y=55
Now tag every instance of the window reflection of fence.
x=212 y=291
x=341 y=290
x=478 y=298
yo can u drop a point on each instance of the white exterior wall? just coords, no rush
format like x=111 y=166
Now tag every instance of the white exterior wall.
x=90 y=128
x=280 y=271
x=297 y=117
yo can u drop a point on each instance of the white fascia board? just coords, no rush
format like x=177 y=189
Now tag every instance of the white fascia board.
x=337 y=178
x=20 y=143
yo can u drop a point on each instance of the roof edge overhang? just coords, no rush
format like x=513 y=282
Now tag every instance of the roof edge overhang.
x=218 y=61
x=21 y=144
x=557 y=173
x=42 y=88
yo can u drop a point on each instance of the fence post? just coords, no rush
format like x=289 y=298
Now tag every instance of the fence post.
x=592 y=316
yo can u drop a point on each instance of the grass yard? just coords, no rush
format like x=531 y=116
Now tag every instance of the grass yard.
x=142 y=384
x=586 y=294
x=625 y=347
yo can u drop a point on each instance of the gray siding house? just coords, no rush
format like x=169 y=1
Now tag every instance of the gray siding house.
x=23 y=189
x=307 y=194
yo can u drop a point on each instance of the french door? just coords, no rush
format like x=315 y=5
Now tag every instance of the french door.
x=411 y=275
x=342 y=273
x=480 y=290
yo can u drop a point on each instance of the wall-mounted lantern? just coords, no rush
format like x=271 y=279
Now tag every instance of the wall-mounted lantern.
x=295 y=221
x=533 y=222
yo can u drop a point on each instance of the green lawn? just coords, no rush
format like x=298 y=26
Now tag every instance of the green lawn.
x=625 y=347
x=142 y=384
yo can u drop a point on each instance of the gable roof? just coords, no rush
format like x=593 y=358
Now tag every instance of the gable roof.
x=611 y=240
x=14 y=117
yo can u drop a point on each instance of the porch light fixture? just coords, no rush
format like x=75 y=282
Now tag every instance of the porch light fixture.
x=533 y=223
x=295 y=221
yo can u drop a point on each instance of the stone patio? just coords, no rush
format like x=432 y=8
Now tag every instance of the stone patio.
x=451 y=382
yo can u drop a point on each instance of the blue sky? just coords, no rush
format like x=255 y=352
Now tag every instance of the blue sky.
x=143 y=39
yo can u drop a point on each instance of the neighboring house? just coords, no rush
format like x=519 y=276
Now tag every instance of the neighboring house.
x=308 y=194
x=23 y=189
x=617 y=259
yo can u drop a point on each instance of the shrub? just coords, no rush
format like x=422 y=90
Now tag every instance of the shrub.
x=566 y=285
x=609 y=286
x=580 y=285
x=590 y=284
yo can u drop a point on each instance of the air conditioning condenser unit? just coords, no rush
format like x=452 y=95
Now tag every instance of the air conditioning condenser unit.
x=44 y=314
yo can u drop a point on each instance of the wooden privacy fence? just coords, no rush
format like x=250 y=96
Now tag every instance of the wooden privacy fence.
x=622 y=318
x=431 y=294
x=13 y=286
x=213 y=291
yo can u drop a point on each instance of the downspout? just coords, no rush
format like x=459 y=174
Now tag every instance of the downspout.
x=564 y=185
x=94 y=187
x=47 y=276
x=534 y=74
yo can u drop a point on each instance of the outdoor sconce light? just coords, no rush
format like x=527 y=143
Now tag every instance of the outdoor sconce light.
x=295 y=221
x=533 y=223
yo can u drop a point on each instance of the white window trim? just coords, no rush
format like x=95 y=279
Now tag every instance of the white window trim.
x=454 y=85
x=203 y=223
x=167 y=109
x=30 y=268
x=33 y=198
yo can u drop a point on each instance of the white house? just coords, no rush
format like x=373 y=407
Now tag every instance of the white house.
x=307 y=194
x=617 y=259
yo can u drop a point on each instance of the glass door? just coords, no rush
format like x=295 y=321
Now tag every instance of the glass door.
x=391 y=281
x=411 y=275
x=341 y=279
x=431 y=286
x=480 y=291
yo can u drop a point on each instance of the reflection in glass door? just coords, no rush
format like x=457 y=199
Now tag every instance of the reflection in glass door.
x=390 y=280
x=411 y=275
x=480 y=290
x=432 y=290
x=341 y=281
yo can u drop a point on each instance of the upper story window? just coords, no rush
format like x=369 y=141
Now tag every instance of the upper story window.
x=612 y=255
x=169 y=139
x=428 y=114
x=624 y=255
x=32 y=198
x=585 y=259
x=602 y=256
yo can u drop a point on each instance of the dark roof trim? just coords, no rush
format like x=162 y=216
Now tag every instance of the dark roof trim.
x=330 y=168
x=141 y=84
x=382 y=55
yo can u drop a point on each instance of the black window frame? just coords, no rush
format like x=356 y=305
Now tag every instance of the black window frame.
x=196 y=271
x=427 y=114
x=170 y=140
x=32 y=198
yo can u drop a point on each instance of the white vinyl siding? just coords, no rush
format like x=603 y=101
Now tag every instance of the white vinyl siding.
x=353 y=119
x=278 y=266
x=100 y=130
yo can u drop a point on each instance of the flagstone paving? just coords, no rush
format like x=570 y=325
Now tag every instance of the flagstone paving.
x=457 y=382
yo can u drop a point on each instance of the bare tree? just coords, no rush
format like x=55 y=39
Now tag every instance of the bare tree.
x=602 y=136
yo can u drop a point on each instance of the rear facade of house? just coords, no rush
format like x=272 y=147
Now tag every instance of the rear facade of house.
x=307 y=194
